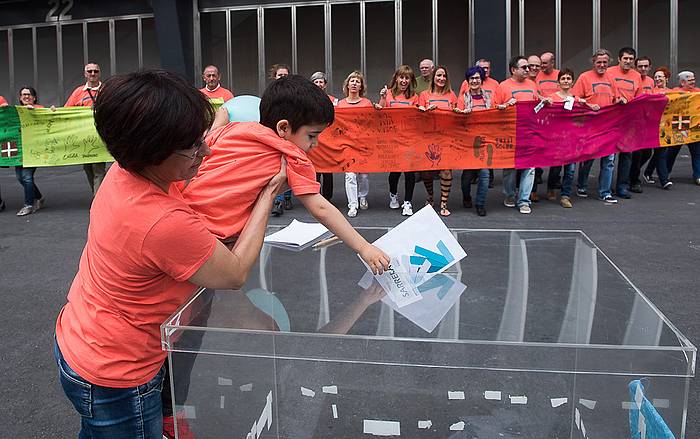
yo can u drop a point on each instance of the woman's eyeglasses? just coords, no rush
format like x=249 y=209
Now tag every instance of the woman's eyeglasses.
x=197 y=147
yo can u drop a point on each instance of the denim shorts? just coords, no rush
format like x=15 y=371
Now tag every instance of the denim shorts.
x=113 y=413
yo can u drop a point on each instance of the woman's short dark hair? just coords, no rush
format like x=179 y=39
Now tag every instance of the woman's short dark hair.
x=297 y=100
x=144 y=117
x=565 y=71
x=471 y=71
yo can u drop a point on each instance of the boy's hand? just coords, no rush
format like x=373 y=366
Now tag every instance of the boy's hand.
x=377 y=260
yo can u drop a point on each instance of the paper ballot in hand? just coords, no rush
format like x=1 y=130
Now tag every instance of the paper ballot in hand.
x=397 y=283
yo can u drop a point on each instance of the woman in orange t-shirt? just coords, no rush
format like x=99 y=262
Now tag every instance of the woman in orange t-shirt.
x=401 y=92
x=438 y=96
x=356 y=184
x=33 y=199
x=146 y=253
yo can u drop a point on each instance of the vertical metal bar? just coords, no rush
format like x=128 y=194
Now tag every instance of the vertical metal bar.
x=635 y=24
x=35 y=58
x=435 y=32
x=327 y=23
x=521 y=27
x=471 y=56
x=295 y=49
x=229 y=56
x=509 y=36
x=112 y=49
x=363 y=36
x=398 y=33
x=59 y=61
x=139 y=37
x=197 y=43
x=674 y=36
x=557 y=32
x=86 y=53
x=596 y=25
x=261 y=50
x=11 y=63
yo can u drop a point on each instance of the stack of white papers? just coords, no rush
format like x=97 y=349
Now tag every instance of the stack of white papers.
x=297 y=235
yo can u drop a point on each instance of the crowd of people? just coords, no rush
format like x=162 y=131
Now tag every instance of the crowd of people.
x=531 y=78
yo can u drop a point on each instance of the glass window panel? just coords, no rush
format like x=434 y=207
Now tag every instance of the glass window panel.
x=453 y=38
x=4 y=72
x=310 y=40
x=576 y=35
x=151 y=54
x=615 y=25
x=688 y=38
x=73 y=65
x=244 y=47
x=540 y=23
x=213 y=36
x=514 y=29
x=345 y=25
x=417 y=31
x=24 y=62
x=278 y=36
x=98 y=46
x=379 y=35
x=654 y=31
x=47 y=61
x=126 y=45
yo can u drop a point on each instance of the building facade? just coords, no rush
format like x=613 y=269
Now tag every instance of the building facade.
x=46 y=43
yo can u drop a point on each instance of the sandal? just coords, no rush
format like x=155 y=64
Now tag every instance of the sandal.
x=429 y=201
x=443 y=209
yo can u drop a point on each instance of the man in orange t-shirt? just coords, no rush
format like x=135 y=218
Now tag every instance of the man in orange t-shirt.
x=547 y=79
x=84 y=96
x=3 y=102
x=213 y=88
x=598 y=88
x=628 y=82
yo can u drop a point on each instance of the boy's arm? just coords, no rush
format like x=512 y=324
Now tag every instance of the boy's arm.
x=331 y=217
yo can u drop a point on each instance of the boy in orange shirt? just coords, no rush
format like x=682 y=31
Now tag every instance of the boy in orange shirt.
x=293 y=112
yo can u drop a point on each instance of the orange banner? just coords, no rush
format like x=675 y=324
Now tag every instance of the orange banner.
x=405 y=139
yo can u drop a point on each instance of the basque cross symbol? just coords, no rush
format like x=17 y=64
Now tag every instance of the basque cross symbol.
x=9 y=149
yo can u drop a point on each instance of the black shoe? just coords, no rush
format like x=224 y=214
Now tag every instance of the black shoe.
x=287 y=204
x=636 y=188
x=277 y=209
x=467 y=202
x=480 y=210
x=665 y=186
x=2 y=205
x=625 y=195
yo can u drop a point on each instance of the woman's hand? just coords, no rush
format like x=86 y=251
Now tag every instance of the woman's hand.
x=52 y=108
x=383 y=91
x=377 y=260
x=465 y=111
x=594 y=107
x=278 y=183
x=377 y=106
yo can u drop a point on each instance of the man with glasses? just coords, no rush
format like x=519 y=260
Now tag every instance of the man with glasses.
x=84 y=96
x=212 y=88
x=519 y=87
x=597 y=87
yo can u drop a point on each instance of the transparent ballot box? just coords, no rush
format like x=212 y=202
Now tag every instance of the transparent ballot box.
x=534 y=334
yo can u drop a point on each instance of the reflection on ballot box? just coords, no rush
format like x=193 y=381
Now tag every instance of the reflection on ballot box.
x=536 y=334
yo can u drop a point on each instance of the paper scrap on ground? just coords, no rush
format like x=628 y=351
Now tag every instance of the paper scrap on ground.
x=246 y=387
x=661 y=403
x=455 y=394
x=494 y=395
x=425 y=424
x=588 y=403
x=297 y=234
x=557 y=402
x=518 y=399
x=330 y=389
x=307 y=392
x=221 y=403
x=335 y=411
x=457 y=426
x=225 y=382
x=381 y=428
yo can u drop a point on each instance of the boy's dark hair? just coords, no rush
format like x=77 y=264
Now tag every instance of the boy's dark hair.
x=297 y=100
x=628 y=51
x=144 y=117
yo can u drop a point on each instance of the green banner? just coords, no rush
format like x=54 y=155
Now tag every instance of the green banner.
x=10 y=137
x=66 y=136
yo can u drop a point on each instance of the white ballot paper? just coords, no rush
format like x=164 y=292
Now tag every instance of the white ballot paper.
x=420 y=248
x=297 y=235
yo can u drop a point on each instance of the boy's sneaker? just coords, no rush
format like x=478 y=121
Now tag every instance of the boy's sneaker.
x=352 y=212
x=581 y=193
x=26 y=210
x=364 y=205
x=277 y=208
x=407 y=209
x=648 y=179
x=393 y=201
x=609 y=199
x=667 y=185
x=525 y=209
x=509 y=202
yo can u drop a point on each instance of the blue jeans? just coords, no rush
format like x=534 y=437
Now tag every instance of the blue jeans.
x=111 y=413
x=482 y=184
x=527 y=179
x=624 y=166
x=568 y=182
x=25 y=176
x=694 y=149
x=607 y=166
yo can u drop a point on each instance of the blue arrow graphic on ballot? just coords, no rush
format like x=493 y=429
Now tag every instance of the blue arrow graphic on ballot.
x=441 y=282
x=437 y=261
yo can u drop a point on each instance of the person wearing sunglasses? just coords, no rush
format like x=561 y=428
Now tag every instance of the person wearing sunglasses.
x=84 y=96
x=146 y=253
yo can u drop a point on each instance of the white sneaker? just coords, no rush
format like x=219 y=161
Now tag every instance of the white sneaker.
x=525 y=209
x=364 y=205
x=393 y=201
x=26 y=210
x=352 y=212
x=407 y=209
